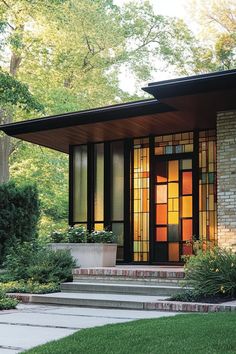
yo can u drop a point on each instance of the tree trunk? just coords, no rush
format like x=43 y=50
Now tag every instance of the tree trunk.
x=4 y=158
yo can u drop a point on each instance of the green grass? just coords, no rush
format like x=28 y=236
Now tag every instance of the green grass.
x=213 y=333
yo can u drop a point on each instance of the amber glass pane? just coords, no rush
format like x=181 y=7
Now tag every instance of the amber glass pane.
x=187 y=209
x=161 y=233
x=187 y=185
x=173 y=252
x=187 y=229
x=173 y=190
x=99 y=182
x=161 y=172
x=161 y=214
x=161 y=194
x=173 y=173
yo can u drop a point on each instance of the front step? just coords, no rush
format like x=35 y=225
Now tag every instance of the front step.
x=124 y=275
x=121 y=301
x=119 y=288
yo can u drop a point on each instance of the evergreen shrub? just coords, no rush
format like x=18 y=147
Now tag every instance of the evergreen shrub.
x=19 y=215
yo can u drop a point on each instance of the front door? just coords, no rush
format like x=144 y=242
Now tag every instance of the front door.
x=173 y=214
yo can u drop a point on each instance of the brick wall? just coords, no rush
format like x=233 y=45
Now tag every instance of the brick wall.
x=226 y=178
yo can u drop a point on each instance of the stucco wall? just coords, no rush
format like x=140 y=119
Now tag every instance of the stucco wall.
x=226 y=178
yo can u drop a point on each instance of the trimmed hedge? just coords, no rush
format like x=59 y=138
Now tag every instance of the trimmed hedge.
x=19 y=215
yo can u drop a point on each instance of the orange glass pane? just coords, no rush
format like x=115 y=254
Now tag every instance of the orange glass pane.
x=173 y=171
x=173 y=252
x=187 y=208
x=161 y=233
x=161 y=214
x=173 y=190
x=187 y=229
x=161 y=194
x=187 y=185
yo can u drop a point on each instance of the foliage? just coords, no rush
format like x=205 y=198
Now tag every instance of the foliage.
x=180 y=334
x=16 y=93
x=7 y=303
x=37 y=262
x=72 y=235
x=19 y=214
x=28 y=287
x=212 y=273
x=103 y=236
x=79 y=234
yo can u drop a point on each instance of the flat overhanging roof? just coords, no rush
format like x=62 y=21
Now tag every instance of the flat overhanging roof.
x=180 y=105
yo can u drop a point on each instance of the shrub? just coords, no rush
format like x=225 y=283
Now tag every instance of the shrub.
x=212 y=273
x=28 y=287
x=80 y=235
x=7 y=303
x=19 y=214
x=37 y=262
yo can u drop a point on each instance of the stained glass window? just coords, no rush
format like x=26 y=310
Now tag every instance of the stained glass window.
x=207 y=187
x=98 y=183
x=141 y=199
x=174 y=143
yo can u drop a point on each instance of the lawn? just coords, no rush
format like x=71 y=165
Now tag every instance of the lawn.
x=213 y=333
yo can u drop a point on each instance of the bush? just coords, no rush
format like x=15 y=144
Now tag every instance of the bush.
x=7 y=303
x=80 y=235
x=212 y=273
x=28 y=287
x=36 y=262
x=19 y=215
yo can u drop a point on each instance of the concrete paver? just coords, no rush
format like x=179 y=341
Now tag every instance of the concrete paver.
x=31 y=325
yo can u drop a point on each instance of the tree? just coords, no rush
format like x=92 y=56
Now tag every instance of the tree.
x=217 y=23
x=12 y=94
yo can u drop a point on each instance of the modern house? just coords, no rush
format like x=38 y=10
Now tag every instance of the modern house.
x=158 y=172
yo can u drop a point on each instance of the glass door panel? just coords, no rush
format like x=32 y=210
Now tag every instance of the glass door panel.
x=173 y=209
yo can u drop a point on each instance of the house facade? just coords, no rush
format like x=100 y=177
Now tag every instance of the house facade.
x=160 y=173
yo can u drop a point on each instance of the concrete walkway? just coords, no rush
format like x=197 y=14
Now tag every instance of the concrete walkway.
x=31 y=325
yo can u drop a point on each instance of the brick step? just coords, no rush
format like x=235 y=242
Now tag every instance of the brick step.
x=100 y=300
x=119 y=288
x=128 y=274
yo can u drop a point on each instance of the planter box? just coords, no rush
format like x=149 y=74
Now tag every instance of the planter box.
x=90 y=254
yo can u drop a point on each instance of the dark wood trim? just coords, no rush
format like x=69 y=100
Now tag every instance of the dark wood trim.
x=107 y=185
x=127 y=202
x=151 y=198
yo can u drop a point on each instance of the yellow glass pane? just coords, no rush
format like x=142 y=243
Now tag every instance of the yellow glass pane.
x=173 y=171
x=173 y=252
x=173 y=217
x=161 y=194
x=188 y=148
x=173 y=190
x=98 y=227
x=170 y=205
x=176 y=204
x=187 y=208
x=211 y=202
x=186 y=165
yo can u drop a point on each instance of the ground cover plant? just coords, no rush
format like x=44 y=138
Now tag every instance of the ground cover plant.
x=29 y=287
x=210 y=276
x=7 y=303
x=182 y=334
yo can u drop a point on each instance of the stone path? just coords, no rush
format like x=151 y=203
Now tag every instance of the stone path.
x=31 y=325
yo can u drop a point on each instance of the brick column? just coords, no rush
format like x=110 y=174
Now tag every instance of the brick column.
x=226 y=178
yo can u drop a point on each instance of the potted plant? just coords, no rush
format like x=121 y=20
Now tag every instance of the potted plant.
x=95 y=249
